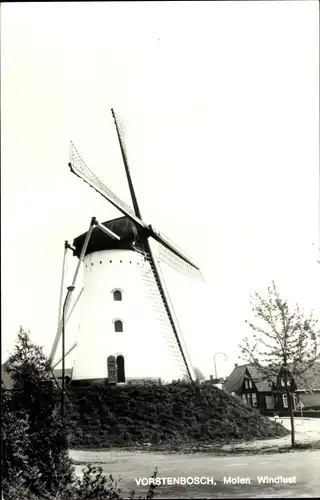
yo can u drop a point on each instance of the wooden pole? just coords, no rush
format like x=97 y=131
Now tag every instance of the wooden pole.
x=83 y=251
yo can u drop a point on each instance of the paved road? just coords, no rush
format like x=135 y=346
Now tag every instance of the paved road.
x=304 y=466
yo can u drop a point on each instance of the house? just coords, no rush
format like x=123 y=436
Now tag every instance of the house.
x=217 y=382
x=280 y=393
x=247 y=382
x=8 y=383
x=307 y=387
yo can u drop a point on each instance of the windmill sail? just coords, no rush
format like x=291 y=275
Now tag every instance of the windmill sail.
x=121 y=138
x=178 y=260
x=175 y=262
x=81 y=169
x=171 y=331
x=152 y=274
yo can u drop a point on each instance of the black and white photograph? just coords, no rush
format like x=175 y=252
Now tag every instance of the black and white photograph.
x=160 y=248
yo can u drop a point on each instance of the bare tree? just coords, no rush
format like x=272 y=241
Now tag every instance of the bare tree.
x=284 y=342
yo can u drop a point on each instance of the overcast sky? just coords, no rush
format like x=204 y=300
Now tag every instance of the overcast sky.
x=221 y=106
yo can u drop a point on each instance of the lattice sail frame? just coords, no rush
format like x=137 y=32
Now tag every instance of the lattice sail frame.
x=81 y=169
x=122 y=133
x=165 y=255
x=173 y=340
x=169 y=258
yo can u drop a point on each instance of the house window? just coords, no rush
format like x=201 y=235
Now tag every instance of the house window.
x=244 y=398
x=283 y=382
x=254 y=400
x=120 y=369
x=117 y=295
x=250 y=384
x=246 y=384
x=118 y=326
x=285 y=400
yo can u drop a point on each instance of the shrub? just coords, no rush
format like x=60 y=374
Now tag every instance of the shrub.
x=35 y=463
x=35 y=443
x=93 y=485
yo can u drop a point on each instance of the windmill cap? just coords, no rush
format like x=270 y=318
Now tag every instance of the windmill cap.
x=99 y=240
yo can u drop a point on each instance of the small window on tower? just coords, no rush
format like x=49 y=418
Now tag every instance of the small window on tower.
x=117 y=295
x=118 y=326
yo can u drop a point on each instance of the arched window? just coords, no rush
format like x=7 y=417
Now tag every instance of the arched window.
x=118 y=326
x=120 y=369
x=112 y=370
x=117 y=295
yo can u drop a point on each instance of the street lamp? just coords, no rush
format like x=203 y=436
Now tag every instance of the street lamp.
x=63 y=391
x=214 y=360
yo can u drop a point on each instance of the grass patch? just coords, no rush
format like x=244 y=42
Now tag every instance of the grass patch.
x=161 y=416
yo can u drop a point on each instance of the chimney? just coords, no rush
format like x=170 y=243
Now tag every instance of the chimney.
x=235 y=365
x=211 y=377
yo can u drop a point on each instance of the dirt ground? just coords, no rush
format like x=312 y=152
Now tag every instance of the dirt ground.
x=303 y=465
x=307 y=431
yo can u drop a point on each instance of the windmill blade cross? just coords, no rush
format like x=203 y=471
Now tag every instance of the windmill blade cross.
x=80 y=168
x=169 y=252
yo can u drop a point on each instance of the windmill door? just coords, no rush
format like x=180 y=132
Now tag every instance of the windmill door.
x=112 y=370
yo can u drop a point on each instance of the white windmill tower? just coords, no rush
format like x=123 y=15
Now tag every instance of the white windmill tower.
x=128 y=327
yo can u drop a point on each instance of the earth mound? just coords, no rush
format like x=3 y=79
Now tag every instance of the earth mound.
x=101 y=416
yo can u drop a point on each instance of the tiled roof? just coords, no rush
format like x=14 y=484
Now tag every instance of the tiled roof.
x=122 y=226
x=235 y=379
x=310 y=380
x=237 y=376
x=262 y=384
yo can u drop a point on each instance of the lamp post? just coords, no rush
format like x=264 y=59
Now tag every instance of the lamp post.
x=214 y=360
x=63 y=390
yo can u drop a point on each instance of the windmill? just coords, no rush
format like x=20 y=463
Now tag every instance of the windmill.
x=122 y=278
